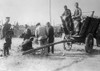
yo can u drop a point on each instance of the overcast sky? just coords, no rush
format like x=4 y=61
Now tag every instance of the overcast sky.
x=33 y=11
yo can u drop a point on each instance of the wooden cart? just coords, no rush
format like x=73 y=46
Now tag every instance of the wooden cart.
x=86 y=35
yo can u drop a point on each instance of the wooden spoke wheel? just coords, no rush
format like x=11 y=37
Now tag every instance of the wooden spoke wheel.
x=67 y=45
x=89 y=42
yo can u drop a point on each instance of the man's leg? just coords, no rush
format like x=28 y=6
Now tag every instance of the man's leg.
x=76 y=27
x=7 y=50
x=49 y=49
x=52 y=49
x=10 y=47
x=41 y=44
x=45 y=49
x=4 y=51
x=49 y=46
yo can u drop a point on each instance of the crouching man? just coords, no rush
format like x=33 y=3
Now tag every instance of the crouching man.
x=41 y=35
x=27 y=44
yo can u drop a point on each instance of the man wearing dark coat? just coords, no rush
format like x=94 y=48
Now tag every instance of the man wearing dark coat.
x=77 y=18
x=50 y=33
x=8 y=42
x=27 y=33
x=27 y=44
x=6 y=27
x=68 y=20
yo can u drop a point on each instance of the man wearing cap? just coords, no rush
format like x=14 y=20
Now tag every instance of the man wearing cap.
x=77 y=18
x=41 y=35
x=27 y=33
x=50 y=32
x=27 y=44
x=68 y=19
x=7 y=26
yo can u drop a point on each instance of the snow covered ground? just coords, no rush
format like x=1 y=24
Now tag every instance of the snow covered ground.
x=74 y=60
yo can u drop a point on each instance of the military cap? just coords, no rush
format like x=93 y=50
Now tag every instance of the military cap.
x=7 y=17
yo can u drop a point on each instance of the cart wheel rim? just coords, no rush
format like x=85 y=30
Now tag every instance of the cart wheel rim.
x=89 y=43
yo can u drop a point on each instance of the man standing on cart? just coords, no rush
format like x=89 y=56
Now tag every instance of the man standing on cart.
x=68 y=25
x=77 y=18
x=68 y=20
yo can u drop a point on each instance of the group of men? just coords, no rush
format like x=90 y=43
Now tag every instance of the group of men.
x=44 y=34
x=72 y=21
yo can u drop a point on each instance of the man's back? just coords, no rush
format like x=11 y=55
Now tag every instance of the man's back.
x=41 y=31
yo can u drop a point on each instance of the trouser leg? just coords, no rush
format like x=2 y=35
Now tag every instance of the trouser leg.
x=41 y=44
x=52 y=49
x=4 y=52
x=45 y=49
x=8 y=51
x=10 y=46
x=49 y=49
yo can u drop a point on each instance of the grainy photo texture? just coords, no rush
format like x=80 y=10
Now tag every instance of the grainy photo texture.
x=49 y=35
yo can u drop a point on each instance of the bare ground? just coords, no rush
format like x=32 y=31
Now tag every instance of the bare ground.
x=74 y=60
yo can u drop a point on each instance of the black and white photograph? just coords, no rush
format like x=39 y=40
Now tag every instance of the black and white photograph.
x=49 y=35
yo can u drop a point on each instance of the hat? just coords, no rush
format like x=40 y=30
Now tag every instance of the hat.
x=7 y=17
x=65 y=5
x=76 y=3
x=37 y=24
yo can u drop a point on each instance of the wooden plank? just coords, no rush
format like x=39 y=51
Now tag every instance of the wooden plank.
x=45 y=46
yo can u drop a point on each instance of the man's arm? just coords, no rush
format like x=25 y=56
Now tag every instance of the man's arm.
x=68 y=13
x=80 y=13
x=63 y=14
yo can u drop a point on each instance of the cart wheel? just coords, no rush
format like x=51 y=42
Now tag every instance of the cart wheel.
x=89 y=43
x=67 y=45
